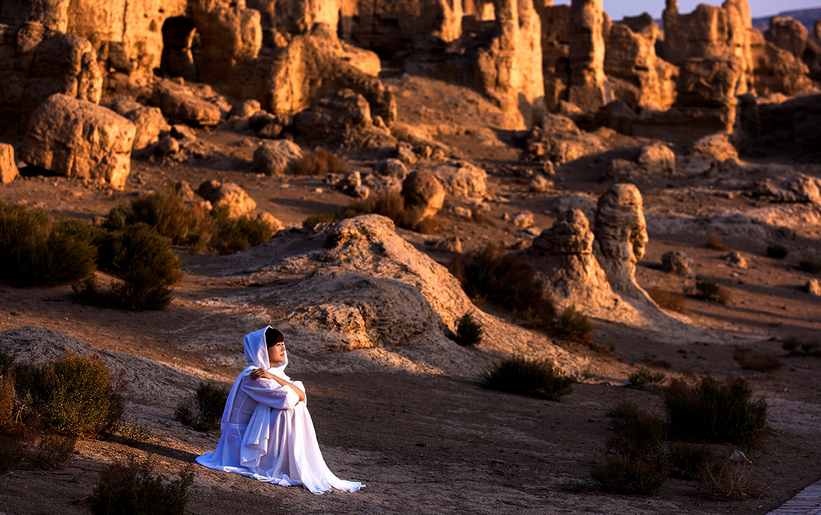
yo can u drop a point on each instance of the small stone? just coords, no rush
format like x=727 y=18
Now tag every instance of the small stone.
x=736 y=260
x=461 y=212
x=678 y=263
x=168 y=145
x=452 y=243
x=539 y=184
x=813 y=287
x=523 y=220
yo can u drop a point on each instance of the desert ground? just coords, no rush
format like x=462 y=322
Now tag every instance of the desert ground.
x=439 y=442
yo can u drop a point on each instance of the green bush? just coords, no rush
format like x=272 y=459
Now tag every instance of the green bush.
x=468 y=330
x=134 y=489
x=37 y=250
x=809 y=265
x=777 y=251
x=505 y=280
x=712 y=410
x=168 y=214
x=236 y=234
x=638 y=434
x=690 y=461
x=645 y=376
x=623 y=475
x=796 y=346
x=537 y=378
x=75 y=394
x=573 y=326
x=756 y=360
x=123 y=250
x=205 y=411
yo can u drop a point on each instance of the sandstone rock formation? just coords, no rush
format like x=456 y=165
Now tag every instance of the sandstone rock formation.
x=461 y=179
x=678 y=263
x=791 y=35
x=555 y=53
x=588 y=89
x=422 y=191
x=276 y=157
x=776 y=69
x=8 y=166
x=228 y=196
x=795 y=188
x=636 y=74
x=621 y=237
x=76 y=138
x=337 y=112
x=654 y=160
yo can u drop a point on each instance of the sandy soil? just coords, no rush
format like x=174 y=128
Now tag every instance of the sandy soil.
x=434 y=444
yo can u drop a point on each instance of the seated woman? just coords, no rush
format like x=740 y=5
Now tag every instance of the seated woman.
x=267 y=432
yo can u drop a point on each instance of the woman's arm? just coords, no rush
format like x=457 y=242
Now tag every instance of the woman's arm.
x=261 y=372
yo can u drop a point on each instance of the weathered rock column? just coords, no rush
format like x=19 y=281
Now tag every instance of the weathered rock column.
x=621 y=237
x=588 y=85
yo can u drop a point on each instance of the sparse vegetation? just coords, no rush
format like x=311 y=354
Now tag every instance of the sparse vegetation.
x=204 y=411
x=537 y=378
x=710 y=290
x=639 y=467
x=392 y=205
x=777 y=251
x=756 y=360
x=646 y=376
x=39 y=250
x=728 y=481
x=713 y=240
x=319 y=162
x=133 y=488
x=809 y=265
x=690 y=461
x=573 y=326
x=668 y=300
x=468 y=330
x=236 y=234
x=796 y=346
x=505 y=280
x=314 y=220
x=715 y=410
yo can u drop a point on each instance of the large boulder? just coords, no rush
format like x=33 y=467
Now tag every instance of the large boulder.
x=149 y=121
x=79 y=139
x=339 y=112
x=621 y=236
x=461 y=179
x=422 y=191
x=558 y=139
x=8 y=167
x=179 y=104
x=228 y=196
x=230 y=37
x=276 y=157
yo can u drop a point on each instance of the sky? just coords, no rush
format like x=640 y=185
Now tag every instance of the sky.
x=618 y=9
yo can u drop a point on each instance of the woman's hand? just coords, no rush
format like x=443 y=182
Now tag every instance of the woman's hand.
x=261 y=372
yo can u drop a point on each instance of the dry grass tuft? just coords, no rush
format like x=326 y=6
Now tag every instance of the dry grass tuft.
x=713 y=240
x=319 y=162
x=668 y=300
x=756 y=360
x=728 y=481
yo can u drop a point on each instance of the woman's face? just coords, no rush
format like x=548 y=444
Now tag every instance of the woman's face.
x=276 y=353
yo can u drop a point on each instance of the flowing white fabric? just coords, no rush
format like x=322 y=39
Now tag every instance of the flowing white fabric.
x=267 y=433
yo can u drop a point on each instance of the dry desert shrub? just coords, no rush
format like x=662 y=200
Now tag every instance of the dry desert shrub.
x=796 y=346
x=132 y=488
x=668 y=300
x=756 y=360
x=537 y=378
x=776 y=251
x=646 y=376
x=204 y=411
x=319 y=162
x=710 y=290
x=713 y=240
x=237 y=234
x=730 y=481
x=505 y=280
x=314 y=220
x=809 y=265
x=713 y=410
x=468 y=330
x=574 y=327
x=392 y=205
x=39 y=250
x=690 y=461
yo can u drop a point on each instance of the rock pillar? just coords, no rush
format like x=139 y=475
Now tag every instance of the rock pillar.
x=588 y=85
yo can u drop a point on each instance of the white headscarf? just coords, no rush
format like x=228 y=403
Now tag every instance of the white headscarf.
x=256 y=354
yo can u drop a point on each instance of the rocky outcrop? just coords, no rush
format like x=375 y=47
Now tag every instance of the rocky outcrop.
x=791 y=35
x=555 y=53
x=8 y=166
x=636 y=74
x=228 y=196
x=338 y=112
x=76 y=138
x=588 y=89
x=654 y=160
x=795 y=188
x=776 y=69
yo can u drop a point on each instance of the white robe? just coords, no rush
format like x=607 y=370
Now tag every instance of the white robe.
x=267 y=434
